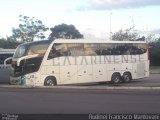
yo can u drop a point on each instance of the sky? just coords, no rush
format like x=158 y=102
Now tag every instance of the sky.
x=95 y=19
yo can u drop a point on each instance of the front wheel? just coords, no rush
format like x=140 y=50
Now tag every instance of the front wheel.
x=50 y=81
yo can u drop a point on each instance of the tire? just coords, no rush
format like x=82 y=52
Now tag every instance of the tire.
x=50 y=81
x=116 y=78
x=126 y=77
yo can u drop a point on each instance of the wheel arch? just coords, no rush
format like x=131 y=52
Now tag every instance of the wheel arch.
x=128 y=72
x=115 y=74
x=50 y=77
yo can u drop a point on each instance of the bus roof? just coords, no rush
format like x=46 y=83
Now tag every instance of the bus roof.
x=36 y=42
x=92 y=41
x=79 y=41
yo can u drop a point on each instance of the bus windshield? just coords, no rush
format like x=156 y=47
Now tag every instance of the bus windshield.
x=32 y=64
x=31 y=49
x=20 y=51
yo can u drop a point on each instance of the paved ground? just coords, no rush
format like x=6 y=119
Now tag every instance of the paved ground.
x=139 y=97
x=78 y=101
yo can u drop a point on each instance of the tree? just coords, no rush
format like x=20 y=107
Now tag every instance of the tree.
x=65 y=31
x=29 y=29
x=127 y=35
x=154 y=52
x=8 y=43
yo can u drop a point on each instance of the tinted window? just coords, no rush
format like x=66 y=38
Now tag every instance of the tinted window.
x=58 y=50
x=75 y=49
x=123 y=49
x=92 y=49
x=27 y=66
x=107 y=49
x=20 y=51
x=39 y=48
x=138 y=49
x=32 y=65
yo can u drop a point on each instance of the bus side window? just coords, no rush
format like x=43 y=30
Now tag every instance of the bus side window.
x=53 y=53
x=98 y=52
x=75 y=49
x=136 y=49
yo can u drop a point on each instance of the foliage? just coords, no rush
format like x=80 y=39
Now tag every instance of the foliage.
x=29 y=29
x=154 y=43
x=65 y=31
x=8 y=43
x=127 y=35
x=155 y=52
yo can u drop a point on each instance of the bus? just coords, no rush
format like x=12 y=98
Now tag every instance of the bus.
x=5 y=64
x=74 y=61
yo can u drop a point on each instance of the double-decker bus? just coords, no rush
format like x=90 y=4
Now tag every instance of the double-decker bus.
x=66 y=61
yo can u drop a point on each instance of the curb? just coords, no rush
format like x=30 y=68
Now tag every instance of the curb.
x=80 y=87
x=105 y=88
x=154 y=72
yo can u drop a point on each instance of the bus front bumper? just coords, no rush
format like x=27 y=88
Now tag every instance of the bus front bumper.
x=15 y=80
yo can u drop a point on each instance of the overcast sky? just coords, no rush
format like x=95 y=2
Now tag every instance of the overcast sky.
x=93 y=18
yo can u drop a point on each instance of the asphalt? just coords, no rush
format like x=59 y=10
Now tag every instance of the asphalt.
x=81 y=87
x=155 y=70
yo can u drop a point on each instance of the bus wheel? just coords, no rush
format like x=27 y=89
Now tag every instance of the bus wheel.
x=126 y=77
x=50 y=81
x=116 y=78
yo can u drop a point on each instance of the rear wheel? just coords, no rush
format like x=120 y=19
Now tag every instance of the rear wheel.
x=116 y=78
x=50 y=81
x=126 y=77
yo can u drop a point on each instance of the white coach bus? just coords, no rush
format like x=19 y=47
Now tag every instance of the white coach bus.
x=66 y=61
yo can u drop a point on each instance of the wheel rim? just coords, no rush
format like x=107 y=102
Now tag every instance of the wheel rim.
x=116 y=80
x=50 y=82
x=126 y=78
